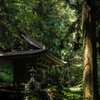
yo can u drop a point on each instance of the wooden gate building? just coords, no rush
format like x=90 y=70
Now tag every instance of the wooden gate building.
x=35 y=56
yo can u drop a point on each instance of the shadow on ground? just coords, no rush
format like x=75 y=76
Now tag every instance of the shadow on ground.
x=53 y=93
x=8 y=93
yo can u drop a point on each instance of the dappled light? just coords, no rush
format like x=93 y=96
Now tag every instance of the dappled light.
x=49 y=50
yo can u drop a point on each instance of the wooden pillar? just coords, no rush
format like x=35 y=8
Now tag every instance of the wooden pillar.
x=40 y=74
x=47 y=76
x=18 y=85
x=49 y=72
x=13 y=76
x=36 y=73
x=50 y=75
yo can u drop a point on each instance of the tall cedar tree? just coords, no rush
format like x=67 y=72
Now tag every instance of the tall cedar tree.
x=90 y=57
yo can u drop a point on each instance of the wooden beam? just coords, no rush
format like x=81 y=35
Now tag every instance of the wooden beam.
x=36 y=72
x=7 y=61
x=41 y=69
x=45 y=60
x=41 y=64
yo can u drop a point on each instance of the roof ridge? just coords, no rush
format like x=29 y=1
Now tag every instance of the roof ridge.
x=27 y=37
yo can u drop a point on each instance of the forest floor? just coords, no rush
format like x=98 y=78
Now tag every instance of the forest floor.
x=52 y=93
x=7 y=93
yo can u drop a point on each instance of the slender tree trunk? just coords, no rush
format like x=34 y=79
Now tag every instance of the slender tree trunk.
x=89 y=57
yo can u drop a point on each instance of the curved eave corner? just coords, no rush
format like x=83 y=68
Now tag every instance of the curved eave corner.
x=58 y=61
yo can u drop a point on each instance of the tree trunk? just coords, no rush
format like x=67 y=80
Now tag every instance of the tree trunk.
x=95 y=77
x=89 y=57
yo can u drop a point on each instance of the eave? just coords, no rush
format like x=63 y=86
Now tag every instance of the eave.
x=9 y=56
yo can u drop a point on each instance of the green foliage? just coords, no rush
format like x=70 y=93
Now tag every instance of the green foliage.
x=15 y=16
x=54 y=23
x=8 y=24
x=46 y=21
x=4 y=78
x=38 y=95
x=66 y=94
x=72 y=95
x=98 y=60
x=6 y=73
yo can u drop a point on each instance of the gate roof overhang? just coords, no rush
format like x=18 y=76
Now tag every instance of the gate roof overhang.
x=37 y=50
x=8 y=57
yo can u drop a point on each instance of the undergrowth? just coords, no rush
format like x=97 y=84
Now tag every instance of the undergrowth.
x=6 y=74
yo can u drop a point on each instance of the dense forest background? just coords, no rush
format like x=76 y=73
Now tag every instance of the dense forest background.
x=57 y=24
